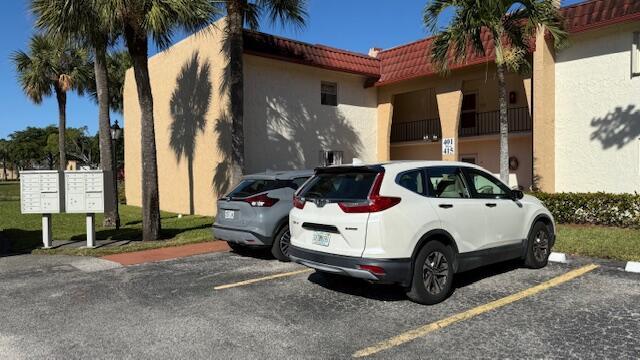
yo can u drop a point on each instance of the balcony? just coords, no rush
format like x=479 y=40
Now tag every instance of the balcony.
x=416 y=130
x=486 y=123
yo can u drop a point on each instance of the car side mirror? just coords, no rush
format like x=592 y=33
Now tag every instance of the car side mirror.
x=517 y=194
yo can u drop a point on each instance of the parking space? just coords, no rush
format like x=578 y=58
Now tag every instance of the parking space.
x=227 y=305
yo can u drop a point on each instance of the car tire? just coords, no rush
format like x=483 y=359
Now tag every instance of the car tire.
x=432 y=274
x=235 y=246
x=538 y=249
x=281 y=243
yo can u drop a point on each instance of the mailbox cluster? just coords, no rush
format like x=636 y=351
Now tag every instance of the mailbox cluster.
x=84 y=192
x=42 y=192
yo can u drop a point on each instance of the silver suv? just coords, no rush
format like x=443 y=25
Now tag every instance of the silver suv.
x=256 y=212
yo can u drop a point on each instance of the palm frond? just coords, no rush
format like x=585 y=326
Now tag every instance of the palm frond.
x=285 y=12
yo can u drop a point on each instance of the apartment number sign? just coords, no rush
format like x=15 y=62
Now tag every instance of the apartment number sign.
x=448 y=146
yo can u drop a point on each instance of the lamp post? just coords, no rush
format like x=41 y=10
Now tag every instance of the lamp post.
x=116 y=132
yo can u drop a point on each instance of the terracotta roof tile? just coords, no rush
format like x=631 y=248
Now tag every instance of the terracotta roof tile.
x=411 y=60
x=598 y=13
x=262 y=44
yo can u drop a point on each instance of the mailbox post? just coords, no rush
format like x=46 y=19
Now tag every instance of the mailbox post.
x=40 y=193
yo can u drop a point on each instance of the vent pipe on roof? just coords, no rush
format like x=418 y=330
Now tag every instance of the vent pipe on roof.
x=373 y=52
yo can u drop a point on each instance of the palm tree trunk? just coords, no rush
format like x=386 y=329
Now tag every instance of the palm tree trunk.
x=138 y=50
x=4 y=166
x=111 y=216
x=235 y=18
x=504 y=124
x=61 y=96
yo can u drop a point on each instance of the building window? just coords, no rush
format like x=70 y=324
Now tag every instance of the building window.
x=635 y=54
x=329 y=93
x=468 y=110
x=330 y=157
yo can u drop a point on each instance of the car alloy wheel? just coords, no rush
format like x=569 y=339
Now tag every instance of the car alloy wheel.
x=435 y=272
x=285 y=241
x=541 y=246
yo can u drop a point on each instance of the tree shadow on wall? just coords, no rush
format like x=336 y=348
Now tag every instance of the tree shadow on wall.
x=189 y=106
x=617 y=128
x=291 y=135
x=221 y=181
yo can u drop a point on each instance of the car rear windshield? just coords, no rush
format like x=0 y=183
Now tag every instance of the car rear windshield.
x=339 y=186
x=250 y=187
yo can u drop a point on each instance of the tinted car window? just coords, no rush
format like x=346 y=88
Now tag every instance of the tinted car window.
x=413 y=181
x=342 y=186
x=446 y=183
x=297 y=182
x=486 y=186
x=249 y=187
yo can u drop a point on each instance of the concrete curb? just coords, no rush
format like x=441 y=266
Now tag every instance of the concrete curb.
x=629 y=266
x=632 y=266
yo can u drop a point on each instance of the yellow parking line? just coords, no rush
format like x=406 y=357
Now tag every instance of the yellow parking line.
x=424 y=330
x=270 y=277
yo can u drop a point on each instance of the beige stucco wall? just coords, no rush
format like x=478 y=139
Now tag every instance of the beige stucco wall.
x=485 y=149
x=286 y=126
x=192 y=121
x=597 y=113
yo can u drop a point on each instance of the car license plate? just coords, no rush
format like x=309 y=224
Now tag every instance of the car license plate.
x=229 y=214
x=320 y=238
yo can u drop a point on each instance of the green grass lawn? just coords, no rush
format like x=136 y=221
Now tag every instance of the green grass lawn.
x=9 y=190
x=24 y=231
x=599 y=241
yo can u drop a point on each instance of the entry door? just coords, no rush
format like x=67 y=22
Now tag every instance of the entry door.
x=504 y=216
x=460 y=214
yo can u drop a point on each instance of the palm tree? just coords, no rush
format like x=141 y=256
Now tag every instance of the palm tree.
x=80 y=21
x=513 y=22
x=241 y=13
x=138 y=20
x=52 y=65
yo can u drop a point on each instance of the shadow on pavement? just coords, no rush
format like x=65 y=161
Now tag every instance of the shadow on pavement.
x=381 y=292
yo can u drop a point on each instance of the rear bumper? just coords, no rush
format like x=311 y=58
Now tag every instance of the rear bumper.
x=397 y=271
x=240 y=236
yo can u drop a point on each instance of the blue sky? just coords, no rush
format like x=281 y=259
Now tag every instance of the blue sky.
x=355 y=25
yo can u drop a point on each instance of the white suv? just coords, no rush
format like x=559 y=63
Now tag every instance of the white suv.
x=415 y=223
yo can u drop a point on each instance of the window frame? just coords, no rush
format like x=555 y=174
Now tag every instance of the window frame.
x=425 y=190
x=466 y=170
x=328 y=83
x=457 y=169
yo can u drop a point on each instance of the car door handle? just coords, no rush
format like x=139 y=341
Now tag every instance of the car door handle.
x=490 y=204
x=446 y=206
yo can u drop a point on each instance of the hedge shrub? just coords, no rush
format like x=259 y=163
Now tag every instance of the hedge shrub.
x=621 y=210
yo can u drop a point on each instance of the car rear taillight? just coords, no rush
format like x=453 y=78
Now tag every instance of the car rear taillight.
x=298 y=202
x=261 y=201
x=374 y=203
x=375 y=270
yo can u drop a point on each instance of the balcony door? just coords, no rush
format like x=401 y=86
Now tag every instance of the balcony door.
x=468 y=112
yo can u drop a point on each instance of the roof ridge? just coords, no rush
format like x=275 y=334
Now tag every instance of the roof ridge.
x=354 y=53
x=408 y=44
x=326 y=47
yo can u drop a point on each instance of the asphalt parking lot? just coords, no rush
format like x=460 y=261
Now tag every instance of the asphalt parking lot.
x=227 y=305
